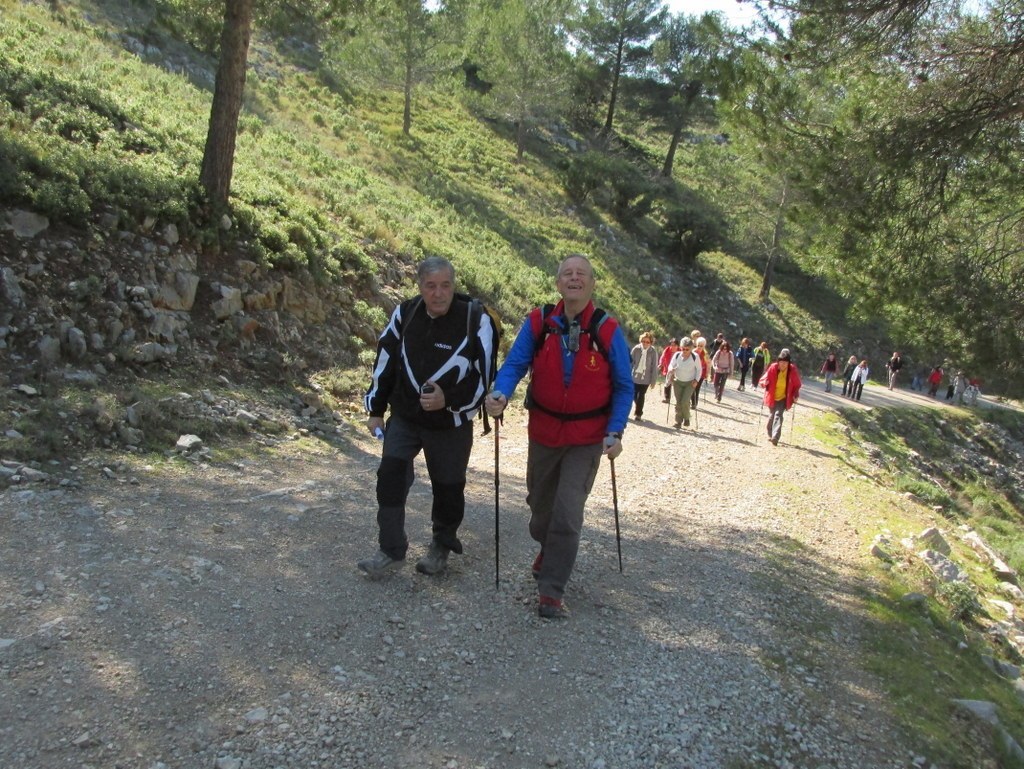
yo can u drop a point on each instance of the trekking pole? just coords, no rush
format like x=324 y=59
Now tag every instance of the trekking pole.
x=497 y=518
x=757 y=426
x=668 y=408
x=615 y=507
x=792 y=422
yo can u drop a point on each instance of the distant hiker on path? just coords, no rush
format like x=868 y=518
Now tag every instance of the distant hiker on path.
x=645 y=371
x=894 y=365
x=744 y=354
x=781 y=383
x=666 y=358
x=762 y=358
x=829 y=368
x=851 y=366
x=858 y=379
x=700 y=348
x=934 y=380
x=432 y=369
x=959 y=387
x=721 y=366
x=684 y=373
x=579 y=399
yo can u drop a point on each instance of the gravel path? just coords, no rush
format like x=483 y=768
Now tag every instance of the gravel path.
x=211 y=615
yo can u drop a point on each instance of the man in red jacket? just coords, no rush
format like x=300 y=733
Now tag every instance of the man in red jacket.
x=781 y=383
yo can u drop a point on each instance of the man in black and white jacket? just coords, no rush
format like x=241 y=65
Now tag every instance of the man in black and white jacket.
x=433 y=369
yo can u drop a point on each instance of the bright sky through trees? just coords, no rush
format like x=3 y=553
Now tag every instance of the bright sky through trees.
x=737 y=14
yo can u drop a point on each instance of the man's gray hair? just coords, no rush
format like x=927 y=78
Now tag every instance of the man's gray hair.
x=433 y=264
x=584 y=257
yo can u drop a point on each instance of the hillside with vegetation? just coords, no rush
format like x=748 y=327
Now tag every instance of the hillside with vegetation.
x=105 y=114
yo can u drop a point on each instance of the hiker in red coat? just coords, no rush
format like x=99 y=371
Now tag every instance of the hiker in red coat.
x=781 y=383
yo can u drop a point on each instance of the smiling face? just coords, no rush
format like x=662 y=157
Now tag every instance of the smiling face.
x=437 y=289
x=576 y=282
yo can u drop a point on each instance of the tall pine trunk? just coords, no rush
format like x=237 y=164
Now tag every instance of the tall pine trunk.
x=614 y=95
x=219 y=154
x=670 y=158
x=775 y=250
x=407 y=99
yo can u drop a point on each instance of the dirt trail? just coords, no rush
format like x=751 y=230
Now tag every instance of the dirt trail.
x=195 y=615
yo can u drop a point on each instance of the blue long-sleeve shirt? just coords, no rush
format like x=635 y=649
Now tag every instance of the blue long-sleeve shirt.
x=520 y=358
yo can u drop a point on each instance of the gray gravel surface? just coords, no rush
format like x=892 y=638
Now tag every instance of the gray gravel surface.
x=209 y=614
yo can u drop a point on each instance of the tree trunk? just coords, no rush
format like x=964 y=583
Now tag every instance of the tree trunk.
x=690 y=91
x=613 y=96
x=219 y=154
x=520 y=140
x=670 y=158
x=767 y=275
x=776 y=247
x=407 y=109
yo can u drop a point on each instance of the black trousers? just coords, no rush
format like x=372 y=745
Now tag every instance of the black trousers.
x=447 y=455
x=639 y=396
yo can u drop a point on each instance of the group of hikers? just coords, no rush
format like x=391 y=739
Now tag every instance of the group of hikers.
x=962 y=390
x=685 y=364
x=855 y=375
x=436 y=368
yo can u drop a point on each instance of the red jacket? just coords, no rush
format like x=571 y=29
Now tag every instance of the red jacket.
x=769 y=379
x=666 y=358
x=703 y=355
x=589 y=392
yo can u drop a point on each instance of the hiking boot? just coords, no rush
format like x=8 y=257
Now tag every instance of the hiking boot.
x=379 y=564
x=552 y=608
x=679 y=424
x=537 y=562
x=435 y=561
x=686 y=423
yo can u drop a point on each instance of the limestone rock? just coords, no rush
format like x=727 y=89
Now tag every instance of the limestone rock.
x=229 y=304
x=188 y=443
x=26 y=224
x=10 y=289
x=941 y=566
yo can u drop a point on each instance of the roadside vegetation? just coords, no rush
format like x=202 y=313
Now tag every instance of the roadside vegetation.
x=932 y=642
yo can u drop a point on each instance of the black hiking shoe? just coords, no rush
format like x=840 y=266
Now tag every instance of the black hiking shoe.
x=379 y=564
x=435 y=561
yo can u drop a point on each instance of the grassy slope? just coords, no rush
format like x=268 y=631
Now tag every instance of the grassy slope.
x=325 y=178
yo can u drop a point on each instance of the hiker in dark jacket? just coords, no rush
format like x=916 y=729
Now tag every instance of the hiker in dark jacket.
x=851 y=366
x=762 y=358
x=433 y=368
x=744 y=355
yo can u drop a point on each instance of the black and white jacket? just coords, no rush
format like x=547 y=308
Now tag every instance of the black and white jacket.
x=415 y=348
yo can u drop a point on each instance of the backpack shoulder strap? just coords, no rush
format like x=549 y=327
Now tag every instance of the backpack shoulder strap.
x=601 y=330
x=539 y=325
x=409 y=308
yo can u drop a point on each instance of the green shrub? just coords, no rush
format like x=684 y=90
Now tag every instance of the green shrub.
x=960 y=598
x=585 y=174
x=927 y=492
x=691 y=226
